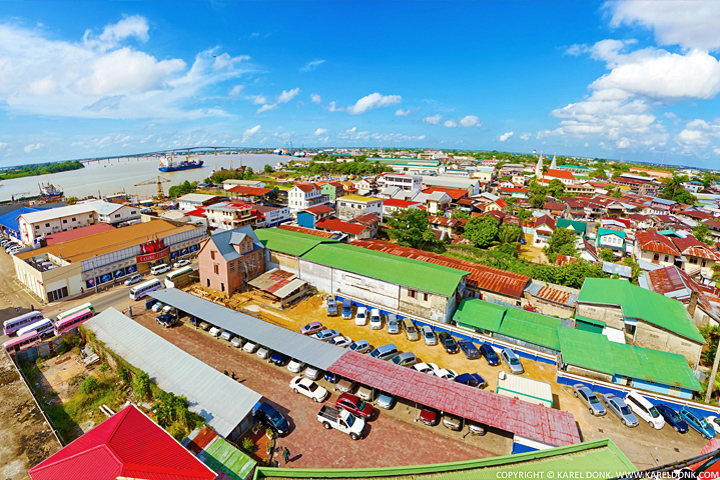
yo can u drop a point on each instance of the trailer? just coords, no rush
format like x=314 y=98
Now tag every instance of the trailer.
x=526 y=389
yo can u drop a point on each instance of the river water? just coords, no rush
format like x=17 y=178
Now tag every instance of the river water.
x=116 y=175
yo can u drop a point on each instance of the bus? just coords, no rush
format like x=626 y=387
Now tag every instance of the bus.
x=172 y=277
x=75 y=310
x=22 y=342
x=72 y=321
x=14 y=324
x=138 y=292
x=41 y=327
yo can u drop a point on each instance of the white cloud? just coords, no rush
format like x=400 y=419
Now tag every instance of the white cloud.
x=267 y=108
x=310 y=66
x=432 y=119
x=470 y=121
x=450 y=124
x=688 y=24
x=284 y=97
x=373 y=101
x=236 y=90
x=32 y=146
x=403 y=113
x=287 y=95
x=132 y=26
x=320 y=131
x=250 y=132
x=259 y=100
x=315 y=98
x=332 y=107
x=525 y=136
x=505 y=136
x=3 y=144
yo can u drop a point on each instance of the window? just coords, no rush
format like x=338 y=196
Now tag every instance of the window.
x=411 y=293
x=117 y=215
x=212 y=254
x=216 y=269
x=208 y=282
x=47 y=224
x=667 y=258
x=231 y=266
x=222 y=287
x=694 y=260
x=133 y=212
x=426 y=297
x=64 y=220
x=37 y=227
x=90 y=215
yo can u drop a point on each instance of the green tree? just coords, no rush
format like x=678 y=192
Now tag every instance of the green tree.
x=268 y=169
x=524 y=214
x=89 y=385
x=459 y=214
x=711 y=335
x=410 y=228
x=562 y=242
x=634 y=267
x=512 y=204
x=607 y=255
x=509 y=239
x=556 y=188
x=538 y=194
x=182 y=189
x=702 y=233
x=481 y=231
x=142 y=386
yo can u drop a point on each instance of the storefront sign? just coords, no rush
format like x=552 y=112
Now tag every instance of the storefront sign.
x=152 y=256
x=131 y=269
x=106 y=278
x=119 y=273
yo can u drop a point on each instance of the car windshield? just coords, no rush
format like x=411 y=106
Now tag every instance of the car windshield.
x=514 y=361
x=361 y=315
x=674 y=416
x=361 y=404
x=654 y=412
x=392 y=323
x=593 y=400
x=350 y=420
x=313 y=386
x=625 y=410
x=703 y=423
x=273 y=415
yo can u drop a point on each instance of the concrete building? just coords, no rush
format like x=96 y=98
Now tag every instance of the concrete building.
x=484 y=174
x=229 y=215
x=68 y=268
x=351 y=206
x=230 y=183
x=612 y=239
x=393 y=205
x=657 y=249
x=404 y=182
x=350 y=231
x=283 y=248
x=271 y=216
x=310 y=216
x=191 y=201
x=333 y=190
x=644 y=317
x=228 y=260
x=305 y=195
x=472 y=185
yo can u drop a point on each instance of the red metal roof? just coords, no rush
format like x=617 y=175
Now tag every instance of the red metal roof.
x=481 y=276
x=367 y=219
x=693 y=247
x=553 y=294
x=564 y=259
x=696 y=214
x=447 y=222
x=128 y=444
x=306 y=187
x=198 y=212
x=548 y=425
x=318 y=209
x=654 y=242
x=554 y=206
x=545 y=220
x=512 y=189
x=453 y=193
x=340 y=226
x=308 y=231
x=559 y=174
x=251 y=191
x=394 y=202
x=81 y=232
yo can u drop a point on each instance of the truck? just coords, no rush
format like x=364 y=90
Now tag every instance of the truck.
x=342 y=420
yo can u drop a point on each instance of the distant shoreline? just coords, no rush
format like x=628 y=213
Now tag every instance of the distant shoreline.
x=40 y=169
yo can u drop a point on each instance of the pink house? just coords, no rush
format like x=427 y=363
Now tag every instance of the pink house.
x=228 y=260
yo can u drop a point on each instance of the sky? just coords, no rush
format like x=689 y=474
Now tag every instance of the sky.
x=631 y=80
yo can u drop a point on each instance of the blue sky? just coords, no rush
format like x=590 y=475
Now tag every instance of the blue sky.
x=629 y=79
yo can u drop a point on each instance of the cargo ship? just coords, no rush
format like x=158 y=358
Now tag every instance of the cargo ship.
x=168 y=164
x=48 y=190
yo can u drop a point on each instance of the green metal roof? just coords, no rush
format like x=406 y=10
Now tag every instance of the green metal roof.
x=390 y=268
x=531 y=327
x=601 y=457
x=480 y=314
x=607 y=231
x=574 y=166
x=595 y=352
x=287 y=241
x=576 y=225
x=591 y=321
x=221 y=456
x=637 y=302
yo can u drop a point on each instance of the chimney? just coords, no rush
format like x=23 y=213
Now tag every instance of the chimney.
x=693 y=303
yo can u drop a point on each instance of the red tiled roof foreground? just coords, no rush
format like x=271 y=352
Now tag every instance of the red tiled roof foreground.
x=128 y=444
x=481 y=276
x=548 y=425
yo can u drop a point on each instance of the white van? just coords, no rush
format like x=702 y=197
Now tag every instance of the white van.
x=361 y=316
x=644 y=409
x=158 y=269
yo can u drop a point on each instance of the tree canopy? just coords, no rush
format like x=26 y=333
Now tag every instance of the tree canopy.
x=410 y=228
x=182 y=189
x=481 y=231
x=562 y=242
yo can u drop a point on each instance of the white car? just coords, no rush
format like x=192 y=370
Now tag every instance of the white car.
x=309 y=388
x=132 y=279
x=295 y=366
x=361 y=316
x=264 y=353
x=215 y=331
x=429 y=368
x=446 y=373
x=340 y=341
x=375 y=319
x=181 y=263
x=157 y=306
x=250 y=347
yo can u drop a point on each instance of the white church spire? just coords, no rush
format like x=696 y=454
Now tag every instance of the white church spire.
x=539 y=168
x=553 y=165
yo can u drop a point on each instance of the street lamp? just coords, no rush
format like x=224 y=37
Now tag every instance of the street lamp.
x=94 y=277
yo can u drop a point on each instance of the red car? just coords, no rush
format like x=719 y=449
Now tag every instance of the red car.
x=354 y=404
x=429 y=416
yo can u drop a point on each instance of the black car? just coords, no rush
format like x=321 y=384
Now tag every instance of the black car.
x=472 y=380
x=468 y=348
x=269 y=415
x=448 y=342
x=167 y=320
x=278 y=359
x=490 y=355
x=672 y=418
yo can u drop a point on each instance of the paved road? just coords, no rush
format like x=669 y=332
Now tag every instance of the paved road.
x=391 y=442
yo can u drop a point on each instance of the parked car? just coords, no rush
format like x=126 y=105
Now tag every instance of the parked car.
x=205 y=326
x=332 y=306
x=386 y=352
x=347 y=309
x=361 y=316
x=512 y=361
x=181 y=263
x=342 y=420
x=355 y=405
x=331 y=377
x=697 y=423
x=393 y=326
x=672 y=418
x=428 y=416
x=471 y=379
x=340 y=341
x=622 y=411
x=326 y=334
x=269 y=415
x=295 y=366
x=309 y=388
x=310 y=328
x=313 y=373
x=167 y=320
x=264 y=352
x=385 y=401
x=278 y=359
x=366 y=393
x=215 y=332
x=446 y=373
x=491 y=356
x=448 y=342
x=713 y=420
x=469 y=349
x=226 y=335
x=375 y=319
x=237 y=342
x=452 y=422
x=250 y=347
x=360 y=346
x=428 y=335
x=475 y=428
x=410 y=330
x=345 y=385
x=644 y=409
x=133 y=279
x=157 y=306
x=405 y=359
x=589 y=399
x=429 y=368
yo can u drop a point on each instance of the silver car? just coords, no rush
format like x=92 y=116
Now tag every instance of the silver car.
x=590 y=399
x=619 y=408
x=385 y=400
x=393 y=327
x=428 y=335
x=512 y=361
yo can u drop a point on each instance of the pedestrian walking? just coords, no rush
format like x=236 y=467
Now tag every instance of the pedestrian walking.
x=17 y=309
x=286 y=455
x=32 y=308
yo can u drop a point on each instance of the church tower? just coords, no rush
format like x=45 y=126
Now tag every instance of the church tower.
x=553 y=165
x=539 y=168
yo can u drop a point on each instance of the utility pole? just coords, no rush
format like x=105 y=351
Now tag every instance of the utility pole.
x=711 y=380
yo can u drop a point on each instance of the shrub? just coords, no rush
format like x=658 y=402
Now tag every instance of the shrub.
x=88 y=385
x=248 y=446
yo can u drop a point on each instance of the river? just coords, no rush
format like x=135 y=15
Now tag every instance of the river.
x=116 y=175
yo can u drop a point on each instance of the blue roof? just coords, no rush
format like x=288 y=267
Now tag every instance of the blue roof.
x=10 y=220
x=662 y=201
x=224 y=241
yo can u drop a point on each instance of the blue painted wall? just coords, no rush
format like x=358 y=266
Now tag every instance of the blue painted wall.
x=305 y=219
